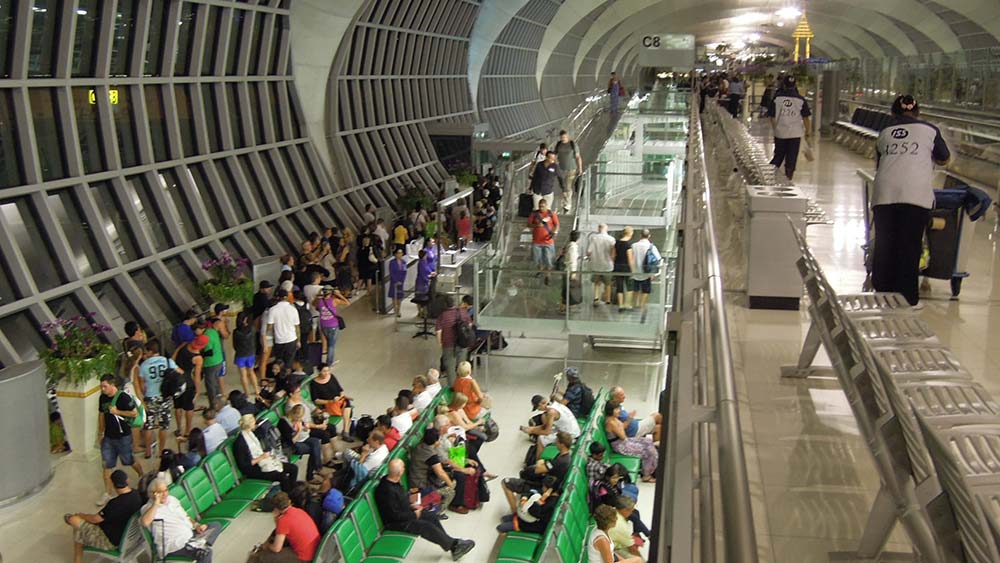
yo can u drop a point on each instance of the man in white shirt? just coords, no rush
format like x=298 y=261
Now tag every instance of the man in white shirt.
x=374 y=452
x=556 y=417
x=433 y=385
x=283 y=323
x=381 y=232
x=421 y=396
x=601 y=251
x=173 y=531
x=227 y=415
x=213 y=433
x=402 y=415
x=642 y=283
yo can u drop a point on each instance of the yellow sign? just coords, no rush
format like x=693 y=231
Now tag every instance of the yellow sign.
x=112 y=96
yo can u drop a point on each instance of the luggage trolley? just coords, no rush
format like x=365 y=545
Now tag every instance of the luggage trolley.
x=947 y=247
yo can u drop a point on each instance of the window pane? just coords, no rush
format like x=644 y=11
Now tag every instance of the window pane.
x=30 y=239
x=170 y=183
x=113 y=221
x=6 y=36
x=184 y=38
x=253 y=183
x=275 y=110
x=235 y=122
x=158 y=26
x=45 y=115
x=89 y=129
x=82 y=242
x=157 y=123
x=7 y=293
x=186 y=120
x=230 y=185
x=293 y=110
x=125 y=127
x=256 y=115
x=258 y=33
x=44 y=26
x=156 y=293
x=207 y=193
x=211 y=117
x=149 y=212
x=211 y=42
x=24 y=335
x=10 y=160
x=235 y=37
x=114 y=303
x=88 y=14
x=279 y=33
x=121 y=46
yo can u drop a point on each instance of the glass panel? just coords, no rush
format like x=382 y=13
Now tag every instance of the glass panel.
x=293 y=108
x=279 y=32
x=6 y=36
x=212 y=41
x=255 y=113
x=170 y=184
x=207 y=194
x=31 y=240
x=24 y=335
x=276 y=110
x=125 y=125
x=115 y=304
x=185 y=36
x=229 y=184
x=186 y=119
x=7 y=293
x=158 y=26
x=253 y=183
x=151 y=215
x=45 y=115
x=88 y=14
x=89 y=130
x=66 y=307
x=157 y=123
x=44 y=34
x=82 y=242
x=233 y=109
x=124 y=35
x=257 y=35
x=235 y=37
x=156 y=293
x=10 y=159
x=114 y=222
x=211 y=117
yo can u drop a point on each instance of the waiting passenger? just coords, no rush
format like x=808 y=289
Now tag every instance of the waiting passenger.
x=600 y=549
x=213 y=433
x=422 y=398
x=255 y=463
x=556 y=417
x=468 y=386
x=577 y=397
x=400 y=514
x=632 y=446
x=531 y=477
x=105 y=529
x=295 y=536
x=427 y=472
x=649 y=425
x=174 y=532
x=534 y=512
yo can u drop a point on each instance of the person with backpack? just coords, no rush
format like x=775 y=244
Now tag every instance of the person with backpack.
x=571 y=165
x=578 y=398
x=544 y=230
x=646 y=261
x=119 y=412
x=455 y=335
x=546 y=176
x=158 y=406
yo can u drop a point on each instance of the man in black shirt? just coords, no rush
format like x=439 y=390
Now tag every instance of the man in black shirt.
x=115 y=431
x=546 y=177
x=399 y=515
x=262 y=299
x=531 y=477
x=104 y=530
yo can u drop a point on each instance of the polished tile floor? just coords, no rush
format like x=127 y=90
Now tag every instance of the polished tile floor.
x=812 y=478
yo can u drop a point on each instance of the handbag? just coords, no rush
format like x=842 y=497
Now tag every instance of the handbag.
x=371 y=255
x=336 y=406
x=457 y=455
x=491 y=429
x=341 y=324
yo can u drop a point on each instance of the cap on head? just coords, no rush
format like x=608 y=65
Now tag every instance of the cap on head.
x=572 y=373
x=119 y=479
x=199 y=342
x=266 y=285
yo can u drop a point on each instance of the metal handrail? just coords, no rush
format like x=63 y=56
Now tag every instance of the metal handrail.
x=739 y=537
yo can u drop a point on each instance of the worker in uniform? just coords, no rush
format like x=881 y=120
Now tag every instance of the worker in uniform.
x=790 y=121
x=903 y=197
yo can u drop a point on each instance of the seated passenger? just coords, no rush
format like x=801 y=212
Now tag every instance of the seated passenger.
x=105 y=529
x=328 y=395
x=402 y=415
x=534 y=510
x=634 y=446
x=531 y=477
x=599 y=546
x=433 y=384
x=372 y=454
x=255 y=463
x=466 y=385
x=400 y=515
x=383 y=423
x=626 y=541
x=227 y=414
x=174 y=532
x=214 y=434
x=295 y=433
x=649 y=425
x=427 y=472
x=556 y=417
x=577 y=397
x=295 y=536
x=421 y=396
x=458 y=417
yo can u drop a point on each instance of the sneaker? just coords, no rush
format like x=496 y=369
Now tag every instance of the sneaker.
x=103 y=500
x=461 y=548
x=918 y=307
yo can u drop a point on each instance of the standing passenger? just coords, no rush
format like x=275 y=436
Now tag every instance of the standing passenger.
x=790 y=120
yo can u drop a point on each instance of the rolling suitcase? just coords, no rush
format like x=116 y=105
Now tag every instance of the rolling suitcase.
x=525 y=204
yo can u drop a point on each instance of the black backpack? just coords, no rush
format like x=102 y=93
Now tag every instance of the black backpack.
x=465 y=336
x=364 y=427
x=586 y=400
x=174 y=383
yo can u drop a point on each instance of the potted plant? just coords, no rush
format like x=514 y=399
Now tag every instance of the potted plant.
x=228 y=284
x=77 y=358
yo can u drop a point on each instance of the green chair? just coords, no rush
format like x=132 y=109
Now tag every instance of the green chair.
x=271 y=415
x=569 y=548
x=377 y=541
x=180 y=493
x=349 y=544
x=519 y=546
x=327 y=550
x=207 y=503
x=130 y=548
x=223 y=476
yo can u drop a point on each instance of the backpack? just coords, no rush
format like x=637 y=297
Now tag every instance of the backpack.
x=269 y=436
x=465 y=337
x=364 y=427
x=651 y=264
x=586 y=400
x=174 y=384
x=135 y=421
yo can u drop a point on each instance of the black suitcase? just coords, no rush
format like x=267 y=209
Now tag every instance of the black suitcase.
x=525 y=204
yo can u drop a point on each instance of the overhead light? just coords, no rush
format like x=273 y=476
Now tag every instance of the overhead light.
x=788 y=13
x=753 y=37
x=661 y=75
x=781 y=24
x=81 y=12
x=750 y=18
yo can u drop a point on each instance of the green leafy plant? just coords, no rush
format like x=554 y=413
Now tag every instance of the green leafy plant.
x=229 y=283
x=78 y=352
x=414 y=197
x=466 y=178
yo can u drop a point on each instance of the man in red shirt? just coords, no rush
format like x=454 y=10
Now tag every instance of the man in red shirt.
x=384 y=425
x=294 y=529
x=451 y=353
x=544 y=229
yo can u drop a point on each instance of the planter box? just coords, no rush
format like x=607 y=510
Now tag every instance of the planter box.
x=78 y=408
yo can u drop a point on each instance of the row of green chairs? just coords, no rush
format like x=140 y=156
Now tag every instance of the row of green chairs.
x=358 y=536
x=570 y=522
